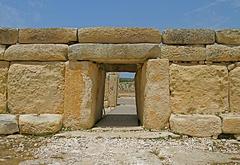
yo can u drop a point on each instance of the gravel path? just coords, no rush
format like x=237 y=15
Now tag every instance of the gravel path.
x=124 y=115
x=118 y=146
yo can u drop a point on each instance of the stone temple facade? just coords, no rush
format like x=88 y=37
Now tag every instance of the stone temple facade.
x=187 y=80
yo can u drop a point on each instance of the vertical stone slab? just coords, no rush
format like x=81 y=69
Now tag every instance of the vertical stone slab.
x=234 y=91
x=81 y=79
x=3 y=85
x=2 y=50
x=155 y=79
x=139 y=94
x=100 y=92
x=112 y=89
x=106 y=91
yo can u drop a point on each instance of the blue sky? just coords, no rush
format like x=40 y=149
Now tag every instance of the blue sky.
x=161 y=14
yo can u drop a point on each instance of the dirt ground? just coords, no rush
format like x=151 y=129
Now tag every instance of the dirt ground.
x=117 y=146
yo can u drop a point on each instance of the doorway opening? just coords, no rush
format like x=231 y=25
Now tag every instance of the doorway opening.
x=119 y=101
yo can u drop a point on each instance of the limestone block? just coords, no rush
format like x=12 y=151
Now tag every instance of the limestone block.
x=198 y=89
x=139 y=94
x=223 y=53
x=100 y=93
x=234 y=91
x=47 y=35
x=120 y=67
x=3 y=85
x=196 y=125
x=2 y=50
x=106 y=91
x=36 y=87
x=8 y=124
x=188 y=36
x=118 y=35
x=183 y=53
x=155 y=81
x=114 y=53
x=228 y=36
x=112 y=89
x=40 y=124
x=8 y=36
x=81 y=79
x=37 y=52
x=231 y=123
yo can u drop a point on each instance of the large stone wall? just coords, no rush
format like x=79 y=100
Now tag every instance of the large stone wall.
x=187 y=80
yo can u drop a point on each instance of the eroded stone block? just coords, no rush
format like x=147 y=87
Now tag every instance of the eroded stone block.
x=234 y=91
x=118 y=35
x=139 y=94
x=183 y=53
x=188 y=36
x=2 y=50
x=196 y=125
x=36 y=87
x=40 y=124
x=112 y=89
x=8 y=124
x=36 y=52
x=81 y=79
x=228 y=36
x=155 y=83
x=47 y=35
x=3 y=85
x=198 y=89
x=114 y=53
x=8 y=36
x=231 y=123
x=223 y=53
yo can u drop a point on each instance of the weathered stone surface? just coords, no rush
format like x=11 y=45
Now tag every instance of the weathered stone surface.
x=228 y=36
x=120 y=67
x=231 y=123
x=37 y=52
x=8 y=124
x=36 y=87
x=223 y=53
x=198 y=88
x=112 y=89
x=188 y=36
x=139 y=94
x=183 y=53
x=234 y=91
x=106 y=88
x=81 y=79
x=196 y=125
x=3 y=85
x=2 y=50
x=156 y=110
x=114 y=53
x=40 y=124
x=8 y=36
x=101 y=75
x=118 y=35
x=48 y=35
